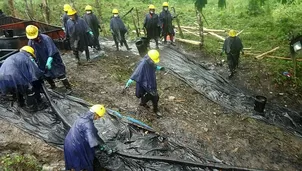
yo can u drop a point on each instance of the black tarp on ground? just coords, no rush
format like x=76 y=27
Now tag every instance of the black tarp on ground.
x=218 y=89
x=135 y=149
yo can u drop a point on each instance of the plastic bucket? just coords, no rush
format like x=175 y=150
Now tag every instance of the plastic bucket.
x=260 y=102
x=142 y=46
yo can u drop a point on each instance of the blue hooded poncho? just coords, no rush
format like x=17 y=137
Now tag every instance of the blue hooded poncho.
x=18 y=72
x=80 y=142
x=44 y=49
x=77 y=30
x=145 y=77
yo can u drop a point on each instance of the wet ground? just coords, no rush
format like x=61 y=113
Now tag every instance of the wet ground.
x=211 y=130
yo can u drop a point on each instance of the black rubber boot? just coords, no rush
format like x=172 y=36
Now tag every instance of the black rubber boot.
x=51 y=83
x=156 y=42
x=125 y=42
x=67 y=86
x=87 y=54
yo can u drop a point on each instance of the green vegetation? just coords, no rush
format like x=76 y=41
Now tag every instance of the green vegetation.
x=13 y=162
x=266 y=23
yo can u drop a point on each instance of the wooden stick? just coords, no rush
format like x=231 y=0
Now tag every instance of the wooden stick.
x=265 y=53
x=193 y=42
x=275 y=57
x=190 y=32
x=239 y=32
x=217 y=36
x=205 y=29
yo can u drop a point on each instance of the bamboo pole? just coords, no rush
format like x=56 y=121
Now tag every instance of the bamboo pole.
x=195 y=34
x=193 y=42
x=239 y=33
x=265 y=53
x=205 y=29
x=217 y=36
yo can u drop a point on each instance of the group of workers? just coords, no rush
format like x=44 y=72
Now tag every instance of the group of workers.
x=22 y=74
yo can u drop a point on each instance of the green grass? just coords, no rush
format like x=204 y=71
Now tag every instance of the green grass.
x=13 y=162
x=264 y=27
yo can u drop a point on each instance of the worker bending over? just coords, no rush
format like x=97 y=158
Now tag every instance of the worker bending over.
x=21 y=78
x=145 y=78
x=48 y=57
x=82 y=141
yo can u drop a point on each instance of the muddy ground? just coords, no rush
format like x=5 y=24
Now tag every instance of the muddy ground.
x=188 y=116
x=213 y=131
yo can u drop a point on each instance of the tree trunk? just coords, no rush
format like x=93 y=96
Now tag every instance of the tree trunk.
x=200 y=23
x=46 y=11
x=28 y=11
x=12 y=8
x=99 y=10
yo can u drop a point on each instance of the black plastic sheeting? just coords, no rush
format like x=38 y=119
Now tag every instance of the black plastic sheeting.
x=219 y=90
x=136 y=146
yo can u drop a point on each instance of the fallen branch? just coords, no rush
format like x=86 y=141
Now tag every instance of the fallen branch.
x=188 y=31
x=265 y=53
x=217 y=36
x=275 y=57
x=193 y=42
x=239 y=32
x=205 y=29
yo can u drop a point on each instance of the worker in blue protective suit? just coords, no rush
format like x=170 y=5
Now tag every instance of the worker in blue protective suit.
x=94 y=25
x=48 y=57
x=20 y=77
x=151 y=24
x=166 y=18
x=82 y=141
x=79 y=34
x=145 y=78
x=118 y=30
x=65 y=16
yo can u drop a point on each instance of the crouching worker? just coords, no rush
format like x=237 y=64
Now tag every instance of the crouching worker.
x=48 y=57
x=19 y=76
x=118 y=30
x=82 y=141
x=145 y=78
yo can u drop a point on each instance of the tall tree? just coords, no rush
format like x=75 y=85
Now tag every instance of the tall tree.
x=199 y=5
x=12 y=7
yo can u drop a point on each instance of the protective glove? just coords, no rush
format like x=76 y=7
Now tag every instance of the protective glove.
x=129 y=82
x=91 y=33
x=32 y=59
x=159 y=68
x=48 y=63
x=106 y=149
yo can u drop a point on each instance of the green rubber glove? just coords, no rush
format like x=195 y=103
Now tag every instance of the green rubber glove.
x=129 y=82
x=91 y=33
x=159 y=68
x=48 y=63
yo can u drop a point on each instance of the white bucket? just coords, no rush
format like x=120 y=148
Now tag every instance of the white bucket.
x=297 y=46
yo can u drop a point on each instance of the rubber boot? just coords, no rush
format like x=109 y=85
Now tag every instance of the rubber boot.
x=77 y=56
x=51 y=83
x=156 y=42
x=87 y=54
x=125 y=42
x=31 y=102
x=20 y=99
x=67 y=86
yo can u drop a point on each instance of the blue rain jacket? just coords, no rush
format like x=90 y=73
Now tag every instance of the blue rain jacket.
x=166 y=18
x=145 y=77
x=44 y=49
x=80 y=142
x=18 y=72
x=118 y=28
x=65 y=18
x=152 y=25
x=93 y=23
x=77 y=31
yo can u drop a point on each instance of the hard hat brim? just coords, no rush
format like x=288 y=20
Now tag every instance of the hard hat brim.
x=32 y=36
x=156 y=61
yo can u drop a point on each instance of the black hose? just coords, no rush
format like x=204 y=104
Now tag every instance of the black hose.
x=184 y=162
x=54 y=107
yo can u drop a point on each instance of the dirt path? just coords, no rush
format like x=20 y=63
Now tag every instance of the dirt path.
x=188 y=116
x=14 y=140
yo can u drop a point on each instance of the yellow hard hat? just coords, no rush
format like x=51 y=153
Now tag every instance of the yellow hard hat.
x=165 y=4
x=66 y=7
x=32 y=32
x=88 y=8
x=114 y=11
x=151 y=6
x=28 y=49
x=154 y=56
x=232 y=33
x=98 y=109
x=71 y=11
